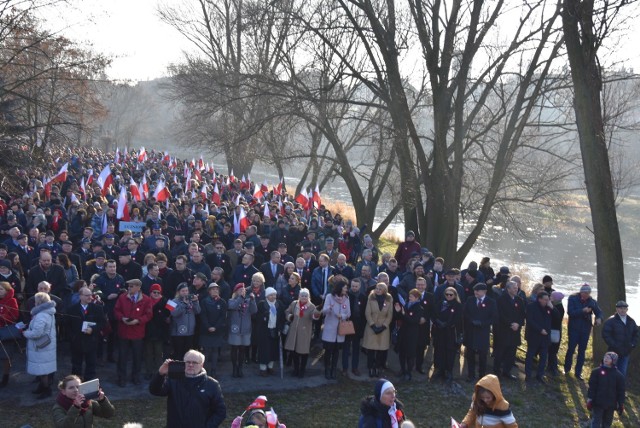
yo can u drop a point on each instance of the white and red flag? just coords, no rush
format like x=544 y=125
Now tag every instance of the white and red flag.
x=135 y=190
x=105 y=179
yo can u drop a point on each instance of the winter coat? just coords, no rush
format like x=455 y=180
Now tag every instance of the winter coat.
x=538 y=318
x=239 y=318
x=191 y=402
x=287 y=294
x=478 y=321
x=82 y=342
x=606 y=387
x=334 y=309
x=158 y=327
x=213 y=313
x=410 y=328
x=499 y=416
x=580 y=322
x=73 y=419
x=301 y=329
x=141 y=310
x=8 y=309
x=509 y=311
x=621 y=338
x=41 y=361
x=183 y=317
x=378 y=317
x=115 y=285
x=374 y=414
x=358 y=303
x=265 y=336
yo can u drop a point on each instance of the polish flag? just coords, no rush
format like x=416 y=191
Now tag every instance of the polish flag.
x=74 y=198
x=161 y=193
x=215 y=196
x=90 y=177
x=61 y=176
x=264 y=188
x=240 y=223
x=166 y=158
x=257 y=192
x=142 y=156
x=266 y=213
x=200 y=163
x=302 y=199
x=46 y=182
x=123 y=210
x=454 y=423
x=198 y=175
x=243 y=185
x=232 y=178
x=277 y=190
x=203 y=191
x=281 y=208
x=83 y=189
x=171 y=305
x=135 y=191
x=316 y=198
x=105 y=179
x=193 y=163
x=145 y=187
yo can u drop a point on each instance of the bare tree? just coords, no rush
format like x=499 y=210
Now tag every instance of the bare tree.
x=586 y=24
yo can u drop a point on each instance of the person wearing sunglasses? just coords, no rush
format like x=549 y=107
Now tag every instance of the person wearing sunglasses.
x=447 y=328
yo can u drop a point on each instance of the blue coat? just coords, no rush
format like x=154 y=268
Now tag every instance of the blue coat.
x=580 y=322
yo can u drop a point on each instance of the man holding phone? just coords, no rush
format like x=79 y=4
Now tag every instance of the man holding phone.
x=194 y=400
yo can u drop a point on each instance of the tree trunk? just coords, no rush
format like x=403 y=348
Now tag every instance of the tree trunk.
x=581 y=42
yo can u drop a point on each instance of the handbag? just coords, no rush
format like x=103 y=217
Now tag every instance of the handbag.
x=345 y=328
x=285 y=329
x=45 y=340
x=555 y=336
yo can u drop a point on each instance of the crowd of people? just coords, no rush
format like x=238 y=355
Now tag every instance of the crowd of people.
x=144 y=257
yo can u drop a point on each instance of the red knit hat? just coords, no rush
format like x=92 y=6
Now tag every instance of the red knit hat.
x=155 y=287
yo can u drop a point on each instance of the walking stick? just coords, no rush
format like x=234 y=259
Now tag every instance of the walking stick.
x=281 y=360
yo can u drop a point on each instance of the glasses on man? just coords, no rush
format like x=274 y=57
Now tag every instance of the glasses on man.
x=155 y=292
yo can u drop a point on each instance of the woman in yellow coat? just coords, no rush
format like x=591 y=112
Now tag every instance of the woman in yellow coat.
x=488 y=408
x=379 y=313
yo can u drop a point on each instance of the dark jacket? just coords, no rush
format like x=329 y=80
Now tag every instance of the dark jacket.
x=158 y=327
x=81 y=342
x=510 y=310
x=243 y=274
x=269 y=279
x=539 y=318
x=357 y=304
x=621 y=338
x=606 y=387
x=579 y=321
x=478 y=320
x=374 y=414
x=110 y=286
x=131 y=270
x=175 y=278
x=410 y=328
x=213 y=313
x=191 y=402
x=54 y=275
x=288 y=295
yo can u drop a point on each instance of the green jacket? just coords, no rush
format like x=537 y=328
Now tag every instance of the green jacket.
x=72 y=418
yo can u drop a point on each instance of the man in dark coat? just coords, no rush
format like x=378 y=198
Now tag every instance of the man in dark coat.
x=272 y=269
x=539 y=317
x=219 y=259
x=213 y=323
x=581 y=309
x=244 y=271
x=181 y=274
x=427 y=300
x=86 y=320
x=46 y=271
x=351 y=347
x=128 y=268
x=480 y=313
x=620 y=332
x=511 y=318
x=193 y=401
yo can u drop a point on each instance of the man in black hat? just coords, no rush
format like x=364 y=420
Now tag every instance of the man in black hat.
x=620 y=332
x=480 y=313
x=128 y=268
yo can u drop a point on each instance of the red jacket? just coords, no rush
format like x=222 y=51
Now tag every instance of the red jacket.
x=142 y=311
x=8 y=309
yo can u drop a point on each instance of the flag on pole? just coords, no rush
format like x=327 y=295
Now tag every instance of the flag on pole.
x=83 y=189
x=215 y=196
x=61 y=176
x=161 y=193
x=171 y=305
x=277 y=190
x=105 y=179
x=264 y=188
x=142 y=155
x=241 y=222
x=454 y=423
x=203 y=192
x=135 y=191
x=302 y=199
x=90 y=177
x=257 y=192
x=145 y=187
x=316 y=198
x=123 y=210
x=266 y=213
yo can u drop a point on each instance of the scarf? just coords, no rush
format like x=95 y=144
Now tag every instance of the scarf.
x=302 y=308
x=272 y=315
x=66 y=403
x=392 y=416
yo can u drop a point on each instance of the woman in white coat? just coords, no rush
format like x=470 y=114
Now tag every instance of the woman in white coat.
x=41 y=352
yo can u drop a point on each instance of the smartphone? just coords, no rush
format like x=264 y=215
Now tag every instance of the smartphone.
x=176 y=369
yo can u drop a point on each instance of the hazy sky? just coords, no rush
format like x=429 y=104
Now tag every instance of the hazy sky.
x=142 y=46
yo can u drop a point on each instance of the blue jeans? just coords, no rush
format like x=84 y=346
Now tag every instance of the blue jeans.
x=623 y=364
x=579 y=339
x=351 y=347
x=540 y=350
